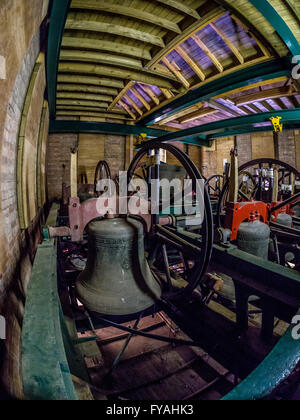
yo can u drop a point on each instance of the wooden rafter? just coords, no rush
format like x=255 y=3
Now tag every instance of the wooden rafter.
x=198 y=114
x=114 y=29
x=172 y=67
x=229 y=43
x=180 y=114
x=133 y=12
x=120 y=95
x=90 y=80
x=209 y=53
x=141 y=98
x=65 y=87
x=119 y=111
x=126 y=107
x=149 y=77
x=196 y=68
x=263 y=46
x=131 y=101
x=265 y=94
x=267 y=106
x=192 y=29
x=84 y=96
x=280 y=103
x=294 y=101
x=246 y=110
x=150 y=93
x=94 y=104
x=223 y=108
x=100 y=57
x=168 y=94
x=103 y=45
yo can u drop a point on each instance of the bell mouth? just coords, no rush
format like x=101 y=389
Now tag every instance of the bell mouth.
x=98 y=318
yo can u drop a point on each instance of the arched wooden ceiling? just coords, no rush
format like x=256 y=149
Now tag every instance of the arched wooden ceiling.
x=123 y=59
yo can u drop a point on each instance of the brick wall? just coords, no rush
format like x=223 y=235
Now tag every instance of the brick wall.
x=59 y=155
x=19 y=46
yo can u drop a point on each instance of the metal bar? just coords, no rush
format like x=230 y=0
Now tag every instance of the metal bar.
x=258 y=73
x=279 y=24
x=58 y=19
x=288 y=115
x=66 y=126
x=290 y=200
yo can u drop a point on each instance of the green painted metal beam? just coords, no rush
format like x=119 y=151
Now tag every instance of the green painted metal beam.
x=251 y=129
x=218 y=128
x=279 y=24
x=277 y=367
x=271 y=69
x=62 y=126
x=60 y=9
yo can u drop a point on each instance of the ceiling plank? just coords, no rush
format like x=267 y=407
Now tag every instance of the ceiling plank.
x=141 y=98
x=265 y=94
x=90 y=80
x=176 y=72
x=149 y=77
x=223 y=108
x=180 y=7
x=131 y=101
x=267 y=106
x=196 y=68
x=132 y=12
x=82 y=103
x=207 y=51
x=91 y=114
x=119 y=111
x=229 y=43
x=65 y=87
x=126 y=107
x=103 y=45
x=98 y=57
x=150 y=93
x=84 y=96
x=198 y=114
x=114 y=29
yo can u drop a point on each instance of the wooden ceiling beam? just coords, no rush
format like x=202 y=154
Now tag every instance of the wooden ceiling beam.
x=180 y=7
x=198 y=114
x=114 y=29
x=223 y=108
x=141 y=98
x=65 y=87
x=84 y=96
x=103 y=45
x=196 y=68
x=132 y=12
x=90 y=80
x=265 y=94
x=176 y=72
x=144 y=76
x=126 y=107
x=207 y=51
x=150 y=93
x=229 y=43
x=294 y=101
x=267 y=106
x=102 y=58
x=131 y=101
x=94 y=104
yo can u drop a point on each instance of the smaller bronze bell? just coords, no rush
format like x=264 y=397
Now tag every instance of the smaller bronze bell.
x=117 y=279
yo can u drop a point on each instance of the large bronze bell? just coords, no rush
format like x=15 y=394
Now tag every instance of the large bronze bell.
x=117 y=279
